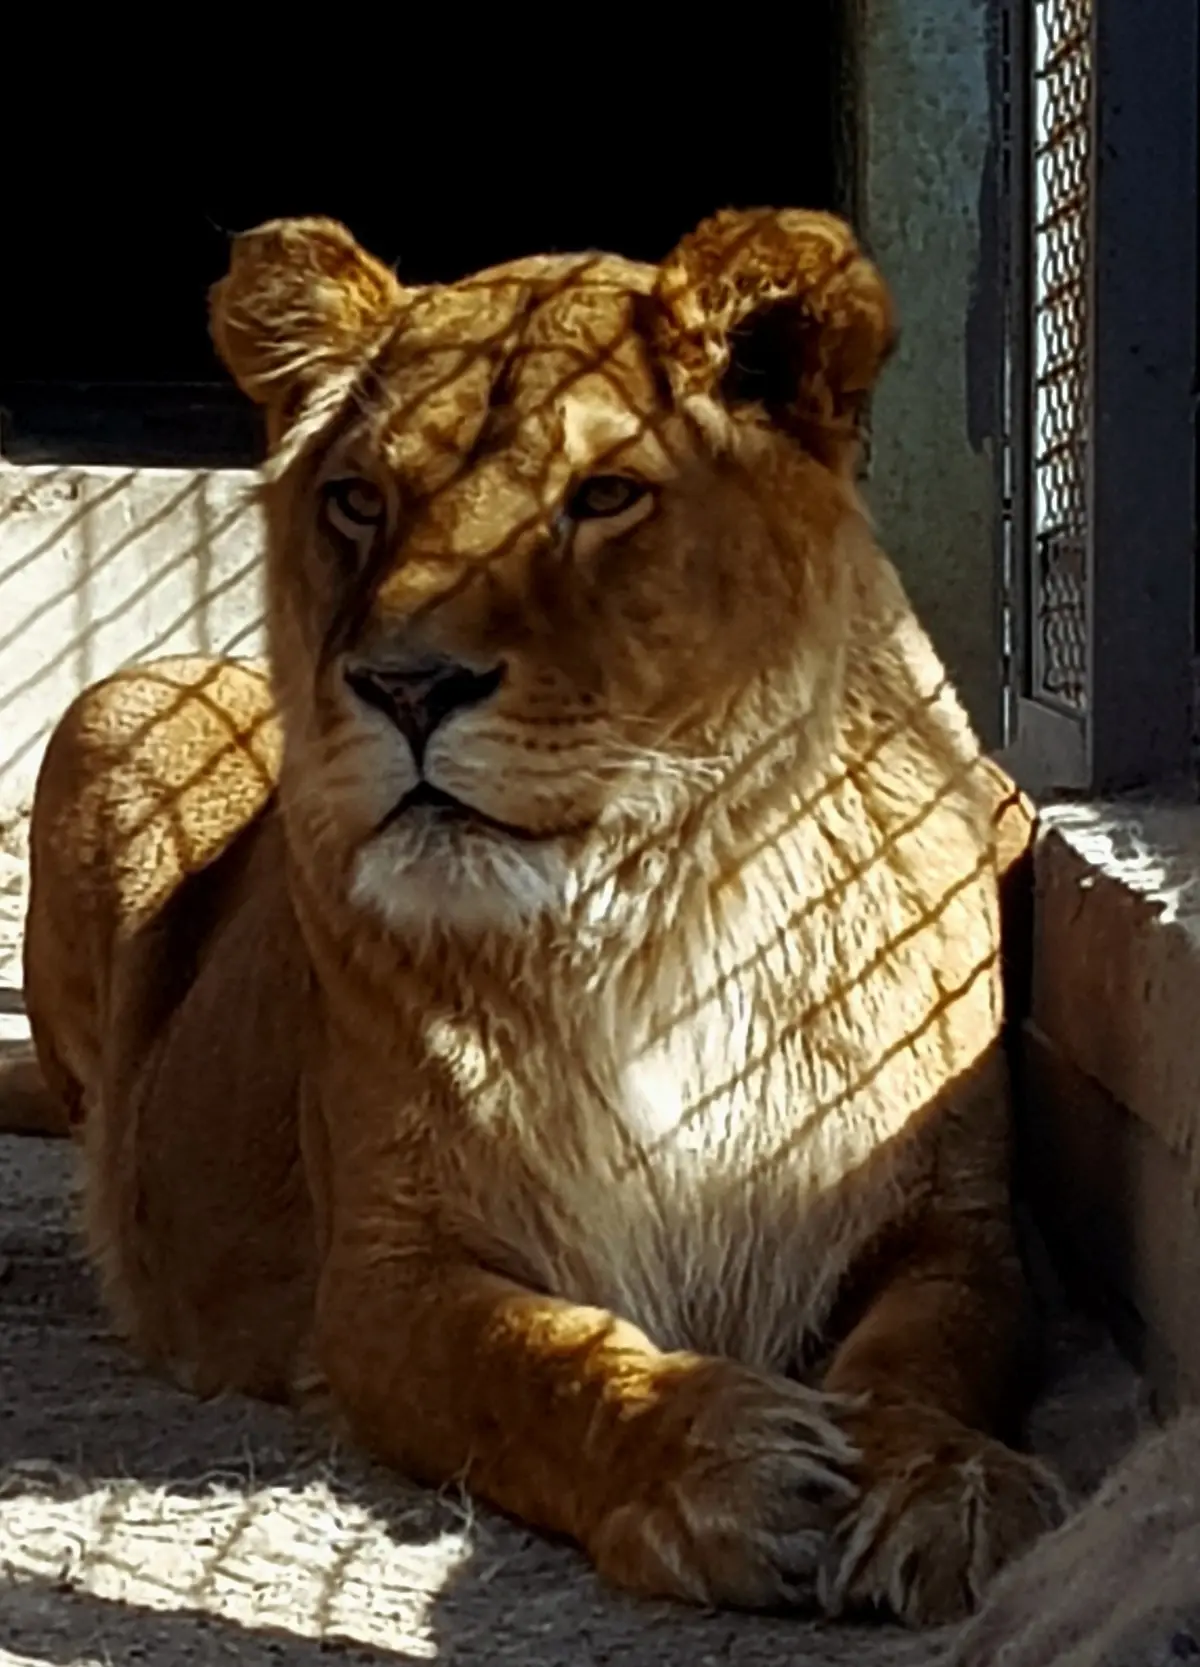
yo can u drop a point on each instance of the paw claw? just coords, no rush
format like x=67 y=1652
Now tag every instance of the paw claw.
x=927 y=1536
x=767 y=1473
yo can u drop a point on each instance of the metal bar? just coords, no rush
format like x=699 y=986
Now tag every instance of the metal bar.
x=1048 y=754
x=1060 y=208
x=1017 y=451
x=1143 y=348
x=1045 y=742
x=990 y=341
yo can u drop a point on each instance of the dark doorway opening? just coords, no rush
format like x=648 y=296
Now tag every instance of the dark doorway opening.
x=111 y=362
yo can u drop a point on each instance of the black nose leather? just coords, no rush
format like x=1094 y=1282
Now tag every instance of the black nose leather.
x=421 y=695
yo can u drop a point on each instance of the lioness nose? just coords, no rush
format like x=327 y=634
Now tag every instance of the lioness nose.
x=421 y=695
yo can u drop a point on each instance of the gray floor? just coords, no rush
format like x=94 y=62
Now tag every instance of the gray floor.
x=139 y=1526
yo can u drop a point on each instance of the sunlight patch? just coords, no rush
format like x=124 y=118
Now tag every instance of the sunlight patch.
x=1154 y=850
x=300 y=1559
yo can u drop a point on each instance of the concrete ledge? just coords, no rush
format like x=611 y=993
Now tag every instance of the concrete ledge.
x=1111 y=1049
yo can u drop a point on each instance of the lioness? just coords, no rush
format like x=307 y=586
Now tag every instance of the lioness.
x=559 y=1016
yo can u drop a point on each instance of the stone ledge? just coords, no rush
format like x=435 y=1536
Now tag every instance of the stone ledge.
x=1111 y=1050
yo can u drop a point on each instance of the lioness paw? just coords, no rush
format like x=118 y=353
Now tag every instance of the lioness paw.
x=760 y=1474
x=942 y=1510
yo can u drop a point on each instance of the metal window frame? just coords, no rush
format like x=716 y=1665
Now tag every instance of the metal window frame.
x=1136 y=729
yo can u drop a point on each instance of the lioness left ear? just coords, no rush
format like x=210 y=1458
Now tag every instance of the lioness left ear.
x=779 y=308
x=300 y=299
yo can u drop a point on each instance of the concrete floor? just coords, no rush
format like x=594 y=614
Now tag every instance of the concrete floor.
x=139 y=1526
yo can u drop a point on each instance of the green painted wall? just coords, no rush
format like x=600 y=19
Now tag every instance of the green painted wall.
x=921 y=74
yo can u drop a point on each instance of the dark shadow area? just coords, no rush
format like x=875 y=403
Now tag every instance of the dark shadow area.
x=112 y=364
x=58 y=1627
x=50 y=1623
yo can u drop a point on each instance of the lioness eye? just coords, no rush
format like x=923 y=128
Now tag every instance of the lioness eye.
x=352 y=504
x=603 y=496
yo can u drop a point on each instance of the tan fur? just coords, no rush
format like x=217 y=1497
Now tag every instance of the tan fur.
x=643 y=1161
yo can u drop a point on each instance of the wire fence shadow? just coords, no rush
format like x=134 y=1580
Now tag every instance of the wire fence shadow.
x=99 y=568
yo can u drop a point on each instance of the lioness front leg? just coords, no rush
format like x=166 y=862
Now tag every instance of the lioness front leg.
x=943 y=1505
x=680 y=1475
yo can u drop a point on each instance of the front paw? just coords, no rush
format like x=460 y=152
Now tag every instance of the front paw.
x=943 y=1508
x=745 y=1477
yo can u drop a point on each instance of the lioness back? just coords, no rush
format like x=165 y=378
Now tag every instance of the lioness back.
x=161 y=978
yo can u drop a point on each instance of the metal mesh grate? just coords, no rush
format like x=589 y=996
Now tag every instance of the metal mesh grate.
x=1062 y=405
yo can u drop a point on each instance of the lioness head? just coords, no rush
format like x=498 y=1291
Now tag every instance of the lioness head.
x=555 y=551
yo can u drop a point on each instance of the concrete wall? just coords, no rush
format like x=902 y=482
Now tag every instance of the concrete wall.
x=922 y=199
x=1109 y=1117
x=99 y=567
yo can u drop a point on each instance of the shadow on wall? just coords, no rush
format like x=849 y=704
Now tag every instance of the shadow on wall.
x=98 y=568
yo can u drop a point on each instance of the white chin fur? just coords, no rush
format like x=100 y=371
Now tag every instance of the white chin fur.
x=472 y=882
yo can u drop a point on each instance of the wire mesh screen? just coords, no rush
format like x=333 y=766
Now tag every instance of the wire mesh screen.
x=1062 y=117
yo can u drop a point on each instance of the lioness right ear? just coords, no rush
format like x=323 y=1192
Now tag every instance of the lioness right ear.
x=778 y=309
x=300 y=299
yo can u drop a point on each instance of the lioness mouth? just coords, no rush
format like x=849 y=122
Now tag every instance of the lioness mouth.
x=450 y=811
